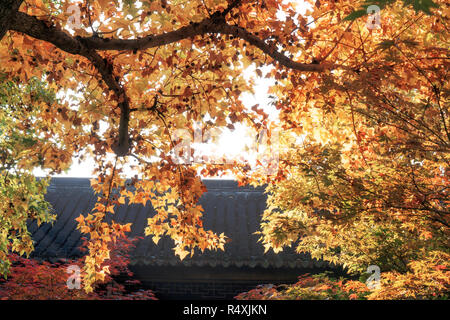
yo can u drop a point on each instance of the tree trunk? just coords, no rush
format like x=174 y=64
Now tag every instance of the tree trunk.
x=8 y=8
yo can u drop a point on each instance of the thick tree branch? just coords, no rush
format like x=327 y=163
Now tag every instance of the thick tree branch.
x=8 y=8
x=105 y=68
x=76 y=45
x=216 y=24
x=87 y=46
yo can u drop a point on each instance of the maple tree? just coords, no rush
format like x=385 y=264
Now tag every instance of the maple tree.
x=30 y=279
x=22 y=195
x=362 y=174
x=310 y=287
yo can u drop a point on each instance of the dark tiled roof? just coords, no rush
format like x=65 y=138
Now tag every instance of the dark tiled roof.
x=234 y=210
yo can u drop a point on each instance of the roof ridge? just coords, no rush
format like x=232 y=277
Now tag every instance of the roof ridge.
x=211 y=184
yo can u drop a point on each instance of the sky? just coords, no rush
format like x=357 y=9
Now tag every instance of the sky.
x=230 y=143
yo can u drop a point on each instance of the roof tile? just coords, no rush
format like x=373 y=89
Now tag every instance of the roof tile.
x=228 y=208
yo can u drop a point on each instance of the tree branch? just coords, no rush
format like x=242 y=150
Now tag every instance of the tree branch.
x=77 y=45
x=87 y=46
x=216 y=24
x=8 y=8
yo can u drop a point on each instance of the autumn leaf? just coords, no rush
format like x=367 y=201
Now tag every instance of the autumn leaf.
x=361 y=172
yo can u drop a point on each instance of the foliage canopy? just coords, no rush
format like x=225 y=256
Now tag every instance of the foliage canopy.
x=363 y=171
